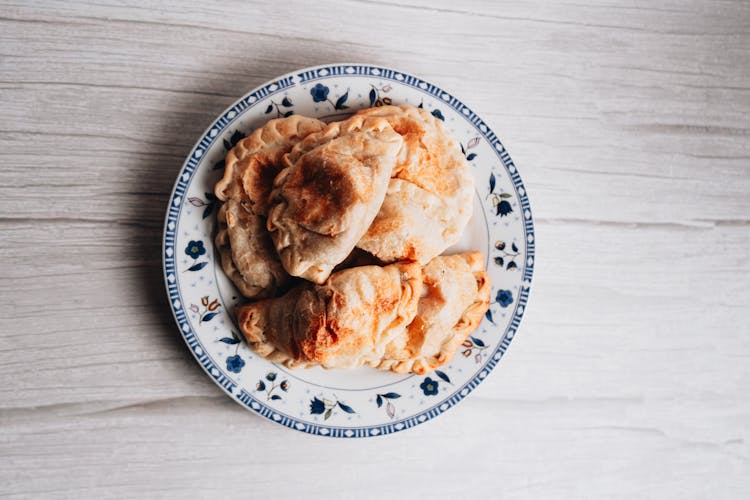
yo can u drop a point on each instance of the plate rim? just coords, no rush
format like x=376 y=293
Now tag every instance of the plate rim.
x=189 y=168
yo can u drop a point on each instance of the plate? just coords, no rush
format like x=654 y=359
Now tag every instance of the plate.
x=362 y=402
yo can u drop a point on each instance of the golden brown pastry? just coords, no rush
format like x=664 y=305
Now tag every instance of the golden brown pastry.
x=329 y=192
x=247 y=253
x=345 y=323
x=253 y=163
x=455 y=296
x=399 y=317
x=429 y=200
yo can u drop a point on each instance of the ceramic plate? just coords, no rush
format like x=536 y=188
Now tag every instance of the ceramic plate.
x=362 y=402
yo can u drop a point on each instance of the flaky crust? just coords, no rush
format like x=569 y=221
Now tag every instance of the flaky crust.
x=455 y=297
x=247 y=254
x=329 y=192
x=412 y=224
x=345 y=323
x=442 y=186
x=253 y=163
x=399 y=317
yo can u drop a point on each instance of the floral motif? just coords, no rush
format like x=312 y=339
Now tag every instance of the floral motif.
x=429 y=387
x=376 y=98
x=474 y=346
x=236 y=137
x=488 y=315
x=443 y=376
x=504 y=298
x=326 y=406
x=499 y=200
x=235 y=363
x=510 y=255
x=473 y=142
x=285 y=102
x=198 y=202
x=435 y=112
x=208 y=311
x=390 y=408
x=317 y=406
x=195 y=249
x=320 y=92
x=271 y=387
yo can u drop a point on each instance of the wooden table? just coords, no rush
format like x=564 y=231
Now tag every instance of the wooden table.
x=630 y=123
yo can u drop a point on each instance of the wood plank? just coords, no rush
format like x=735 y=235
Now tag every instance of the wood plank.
x=629 y=123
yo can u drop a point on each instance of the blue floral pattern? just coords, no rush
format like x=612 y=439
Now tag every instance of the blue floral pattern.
x=228 y=144
x=320 y=92
x=499 y=200
x=376 y=96
x=507 y=255
x=280 y=113
x=317 y=407
x=195 y=249
x=429 y=387
x=388 y=397
x=473 y=142
x=504 y=298
x=235 y=363
x=271 y=386
x=327 y=407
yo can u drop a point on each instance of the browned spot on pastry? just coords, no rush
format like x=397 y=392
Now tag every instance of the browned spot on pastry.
x=322 y=191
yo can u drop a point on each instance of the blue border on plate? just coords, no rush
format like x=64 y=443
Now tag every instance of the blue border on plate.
x=169 y=252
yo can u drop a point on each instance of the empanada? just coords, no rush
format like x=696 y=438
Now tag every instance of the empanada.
x=247 y=253
x=455 y=296
x=345 y=323
x=253 y=163
x=420 y=220
x=329 y=192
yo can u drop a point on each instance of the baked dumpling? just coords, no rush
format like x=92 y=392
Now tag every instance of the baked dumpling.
x=253 y=163
x=330 y=190
x=455 y=297
x=345 y=323
x=410 y=224
x=248 y=256
x=247 y=253
x=429 y=200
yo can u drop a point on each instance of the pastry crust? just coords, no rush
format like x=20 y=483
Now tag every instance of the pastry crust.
x=253 y=163
x=429 y=201
x=399 y=317
x=247 y=254
x=345 y=323
x=329 y=192
x=455 y=297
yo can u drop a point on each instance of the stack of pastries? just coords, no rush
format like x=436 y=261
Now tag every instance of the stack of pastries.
x=335 y=232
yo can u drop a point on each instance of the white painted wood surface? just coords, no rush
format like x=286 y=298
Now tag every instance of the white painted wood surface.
x=630 y=122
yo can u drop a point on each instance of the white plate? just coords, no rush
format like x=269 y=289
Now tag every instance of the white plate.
x=362 y=402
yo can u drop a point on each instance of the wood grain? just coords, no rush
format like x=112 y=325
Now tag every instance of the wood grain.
x=629 y=122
